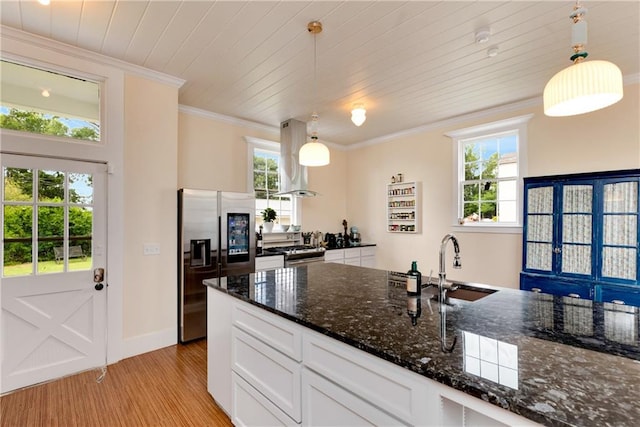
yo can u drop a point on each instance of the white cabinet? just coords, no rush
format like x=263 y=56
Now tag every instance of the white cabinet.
x=403 y=207
x=360 y=256
x=266 y=351
x=251 y=408
x=265 y=370
x=326 y=404
x=271 y=262
x=352 y=256
x=334 y=255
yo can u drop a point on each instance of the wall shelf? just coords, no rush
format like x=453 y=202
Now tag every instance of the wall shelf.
x=403 y=207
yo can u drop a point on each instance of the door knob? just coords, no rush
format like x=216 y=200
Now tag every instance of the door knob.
x=99 y=286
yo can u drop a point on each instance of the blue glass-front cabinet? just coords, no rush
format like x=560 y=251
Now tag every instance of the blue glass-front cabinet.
x=580 y=236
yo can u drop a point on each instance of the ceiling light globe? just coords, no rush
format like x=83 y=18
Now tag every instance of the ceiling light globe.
x=314 y=154
x=358 y=116
x=582 y=88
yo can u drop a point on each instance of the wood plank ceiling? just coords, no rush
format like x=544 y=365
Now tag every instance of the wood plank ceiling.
x=411 y=63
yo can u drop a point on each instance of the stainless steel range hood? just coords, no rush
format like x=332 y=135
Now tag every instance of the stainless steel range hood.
x=293 y=135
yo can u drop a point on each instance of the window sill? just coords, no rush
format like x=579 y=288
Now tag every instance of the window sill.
x=488 y=228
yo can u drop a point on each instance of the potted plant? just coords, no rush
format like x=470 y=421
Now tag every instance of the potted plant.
x=269 y=215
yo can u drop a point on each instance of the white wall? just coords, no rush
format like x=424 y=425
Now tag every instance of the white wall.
x=150 y=215
x=603 y=140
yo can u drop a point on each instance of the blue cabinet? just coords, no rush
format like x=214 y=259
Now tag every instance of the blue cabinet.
x=581 y=234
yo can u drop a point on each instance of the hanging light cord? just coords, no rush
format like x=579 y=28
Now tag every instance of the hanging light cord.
x=579 y=33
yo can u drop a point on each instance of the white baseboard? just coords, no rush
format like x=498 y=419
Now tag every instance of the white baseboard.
x=149 y=342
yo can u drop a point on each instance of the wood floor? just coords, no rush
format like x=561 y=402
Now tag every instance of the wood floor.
x=167 y=387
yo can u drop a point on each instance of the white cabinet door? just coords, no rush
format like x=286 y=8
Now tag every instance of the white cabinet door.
x=219 y=347
x=326 y=404
x=272 y=373
x=250 y=408
x=334 y=255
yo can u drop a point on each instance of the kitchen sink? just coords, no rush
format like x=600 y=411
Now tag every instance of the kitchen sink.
x=462 y=291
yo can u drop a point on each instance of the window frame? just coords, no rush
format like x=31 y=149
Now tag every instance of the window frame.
x=254 y=144
x=517 y=125
x=72 y=74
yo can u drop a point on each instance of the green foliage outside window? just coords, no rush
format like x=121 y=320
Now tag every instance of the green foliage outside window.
x=480 y=187
x=34 y=122
x=18 y=219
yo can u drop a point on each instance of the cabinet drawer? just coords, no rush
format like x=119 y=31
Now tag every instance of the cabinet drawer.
x=326 y=404
x=352 y=253
x=556 y=287
x=270 y=372
x=367 y=251
x=250 y=408
x=334 y=255
x=269 y=328
x=269 y=262
x=395 y=390
x=623 y=295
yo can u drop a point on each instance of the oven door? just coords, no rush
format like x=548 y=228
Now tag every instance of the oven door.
x=303 y=261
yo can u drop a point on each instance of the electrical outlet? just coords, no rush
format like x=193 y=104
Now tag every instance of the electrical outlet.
x=151 y=249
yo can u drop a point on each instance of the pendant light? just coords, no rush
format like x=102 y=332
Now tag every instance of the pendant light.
x=584 y=86
x=314 y=152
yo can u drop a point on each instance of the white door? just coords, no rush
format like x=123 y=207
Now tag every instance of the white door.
x=53 y=319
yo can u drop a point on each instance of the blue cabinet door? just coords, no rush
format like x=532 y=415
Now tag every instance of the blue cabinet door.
x=623 y=295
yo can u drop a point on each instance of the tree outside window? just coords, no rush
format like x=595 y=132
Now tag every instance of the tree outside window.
x=266 y=185
x=490 y=179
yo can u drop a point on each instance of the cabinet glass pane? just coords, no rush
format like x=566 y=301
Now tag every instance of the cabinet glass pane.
x=619 y=263
x=539 y=256
x=540 y=228
x=540 y=200
x=620 y=230
x=576 y=228
x=577 y=198
x=576 y=259
x=621 y=197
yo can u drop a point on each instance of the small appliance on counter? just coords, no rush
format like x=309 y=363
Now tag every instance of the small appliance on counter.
x=332 y=241
x=354 y=237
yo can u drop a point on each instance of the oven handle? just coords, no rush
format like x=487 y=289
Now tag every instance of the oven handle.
x=301 y=261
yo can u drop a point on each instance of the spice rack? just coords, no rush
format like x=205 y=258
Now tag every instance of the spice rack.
x=403 y=207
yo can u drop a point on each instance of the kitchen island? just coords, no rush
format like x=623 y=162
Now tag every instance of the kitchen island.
x=336 y=333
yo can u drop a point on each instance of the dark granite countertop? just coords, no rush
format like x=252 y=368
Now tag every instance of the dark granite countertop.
x=563 y=361
x=361 y=245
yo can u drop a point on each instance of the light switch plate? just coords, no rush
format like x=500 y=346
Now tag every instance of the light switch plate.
x=151 y=249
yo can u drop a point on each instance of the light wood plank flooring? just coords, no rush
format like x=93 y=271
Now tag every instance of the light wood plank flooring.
x=167 y=387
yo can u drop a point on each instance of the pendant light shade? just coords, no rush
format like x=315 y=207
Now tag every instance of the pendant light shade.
x=314 y=152
x=584 y=86
x=358 y=114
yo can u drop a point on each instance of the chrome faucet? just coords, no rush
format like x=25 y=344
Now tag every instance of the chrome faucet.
x=442 y=288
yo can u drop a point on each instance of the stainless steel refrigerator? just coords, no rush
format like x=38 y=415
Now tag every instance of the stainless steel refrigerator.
x=216 y=237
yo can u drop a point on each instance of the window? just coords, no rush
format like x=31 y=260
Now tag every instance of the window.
x=49 y=103
x=489 y=166
x=265 y=182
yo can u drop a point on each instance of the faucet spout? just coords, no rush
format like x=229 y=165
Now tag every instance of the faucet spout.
x=442 y=290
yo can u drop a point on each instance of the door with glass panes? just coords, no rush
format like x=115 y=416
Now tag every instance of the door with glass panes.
x=53 y=317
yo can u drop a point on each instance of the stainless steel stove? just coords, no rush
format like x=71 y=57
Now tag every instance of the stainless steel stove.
x=298 y=255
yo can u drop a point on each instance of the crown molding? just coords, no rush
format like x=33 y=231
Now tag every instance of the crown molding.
x=243 y=123
x=186 y=109
x=9 y=33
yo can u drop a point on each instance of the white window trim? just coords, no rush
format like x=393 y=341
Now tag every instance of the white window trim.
x=518 y=124
x=264 y=144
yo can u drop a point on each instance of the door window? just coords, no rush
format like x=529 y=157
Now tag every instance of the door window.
x=47 y=221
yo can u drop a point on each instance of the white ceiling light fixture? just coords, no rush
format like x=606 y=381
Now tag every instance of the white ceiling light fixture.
x=493 y=51
x=44 y=2
x=358 y=114
x=584 y=86
x=314 y=152
x=45 y=93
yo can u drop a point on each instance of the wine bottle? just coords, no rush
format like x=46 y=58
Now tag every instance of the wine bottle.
x=414 y=280
x=414 y=308
x=259 y=242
